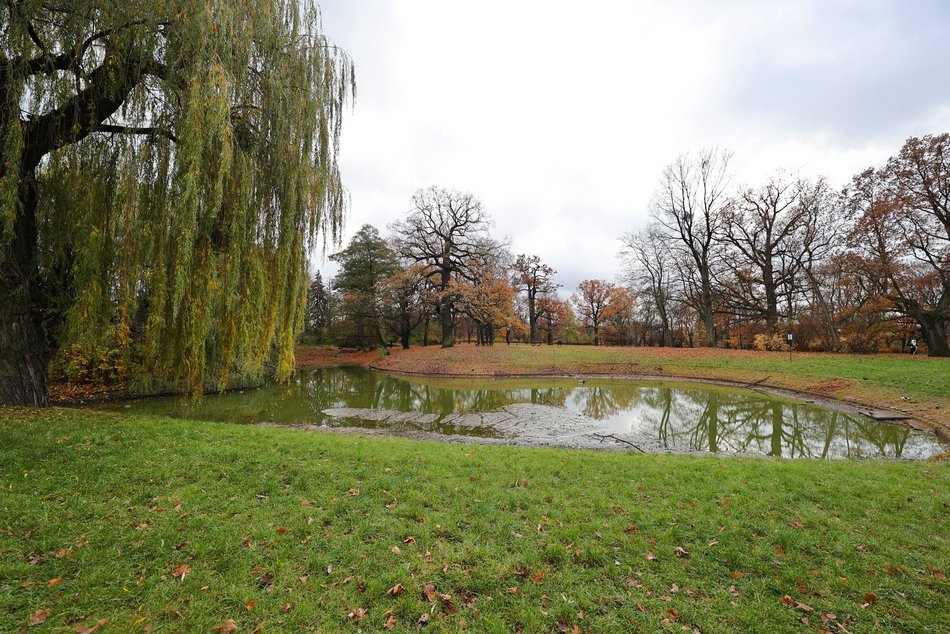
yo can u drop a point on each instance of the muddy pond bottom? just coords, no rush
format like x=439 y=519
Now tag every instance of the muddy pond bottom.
x=650 y=416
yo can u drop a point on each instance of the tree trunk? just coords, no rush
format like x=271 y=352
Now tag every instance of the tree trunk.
x=935 y=334
x=23 y=358
x=23 y=348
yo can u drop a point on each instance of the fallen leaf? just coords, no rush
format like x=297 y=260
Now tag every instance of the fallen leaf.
x=55 y=582
x=736 y=574
x=409 y=540
x=870 y=597
x=681 y=552
x=537 y=577
x=650 y=556
x=795 y=524
x=733 y=591
x=428 y=589
x=265 y=580
x=396 y=590
x=40 y=616
x=357 y=614
x=354 y=491
x=183 y=545
x=779 y=550
x=390 y=622
x=423 y=618
x=285 y=608
x=229 y=627
x=395 y=550
x=82 y=629
x=281 y=529
x=181 y=571
x=250 y=605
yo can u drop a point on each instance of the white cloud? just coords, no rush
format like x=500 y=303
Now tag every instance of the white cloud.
x=560 y=116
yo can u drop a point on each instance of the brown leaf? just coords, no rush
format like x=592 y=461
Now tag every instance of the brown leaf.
x=82 y=629
x=650 y=556
x=395 y=550
x=870 y=597
x=229 y=627
x=357 y=614
x=396 y=590
x=39 y=617
x=448 y=607
x=55 y=582
x=390 y=623
x=673 y=613
x=733 y=591
x=182 y=545
x=795 y=524
x=787 y=600
x=736 y=574
x=245 y=542
x=428 y=590
x=537 y=577
x=64 y=552
x=285 y=608
x=681 y=552
x=181 y=571
x=265 y=580
x=633 y=582
x=250 y=605
x=281 y=529
x=354 y=491
x=409 y=540
x=779 y=550
x=423 y=618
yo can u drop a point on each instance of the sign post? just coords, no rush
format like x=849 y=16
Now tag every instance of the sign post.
x=788 y=338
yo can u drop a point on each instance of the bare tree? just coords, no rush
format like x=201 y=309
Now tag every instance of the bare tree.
x=446 y=232
x=762 y=229
x=535 y=279
x=688 y=208
x=649 y=269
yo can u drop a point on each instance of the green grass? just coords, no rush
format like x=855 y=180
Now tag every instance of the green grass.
x=522 y=539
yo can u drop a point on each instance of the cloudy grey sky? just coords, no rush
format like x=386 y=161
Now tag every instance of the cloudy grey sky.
x=560 y=115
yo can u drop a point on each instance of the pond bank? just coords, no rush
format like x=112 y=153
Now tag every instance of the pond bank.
x=918 y=388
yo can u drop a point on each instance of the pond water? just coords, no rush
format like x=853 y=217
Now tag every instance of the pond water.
x=666 y=416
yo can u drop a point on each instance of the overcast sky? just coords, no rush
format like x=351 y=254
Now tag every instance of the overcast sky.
x=560 y=116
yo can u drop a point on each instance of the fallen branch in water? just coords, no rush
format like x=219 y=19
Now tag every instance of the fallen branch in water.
x=603 y=437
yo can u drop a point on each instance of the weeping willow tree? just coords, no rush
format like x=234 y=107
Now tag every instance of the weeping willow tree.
x=165 y=167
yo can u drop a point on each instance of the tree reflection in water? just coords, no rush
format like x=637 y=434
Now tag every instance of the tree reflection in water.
x=674 y=416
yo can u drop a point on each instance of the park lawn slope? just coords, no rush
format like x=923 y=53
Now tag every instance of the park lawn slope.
x=182 y=526
x=919 y=386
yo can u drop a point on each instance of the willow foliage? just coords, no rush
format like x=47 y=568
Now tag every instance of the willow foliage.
x=179 y=225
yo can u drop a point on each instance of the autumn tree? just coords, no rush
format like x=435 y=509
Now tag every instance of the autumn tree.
x=902 y=234
x=535 y=279
x=592 y=300
x=364 y=264
x=688 y=211
x=918 y=180
x=403 y=301
x=619 y=314
x=446 y=232
x=164 y=168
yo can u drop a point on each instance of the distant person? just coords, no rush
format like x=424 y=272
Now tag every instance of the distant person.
x=913 y=347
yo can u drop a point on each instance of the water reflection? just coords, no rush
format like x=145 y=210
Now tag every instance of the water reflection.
x=674 y=416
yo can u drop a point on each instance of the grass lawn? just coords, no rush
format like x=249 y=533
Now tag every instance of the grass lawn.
x=164 y=525
x=882 y=379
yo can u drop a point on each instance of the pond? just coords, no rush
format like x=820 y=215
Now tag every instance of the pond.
x=654 y=416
